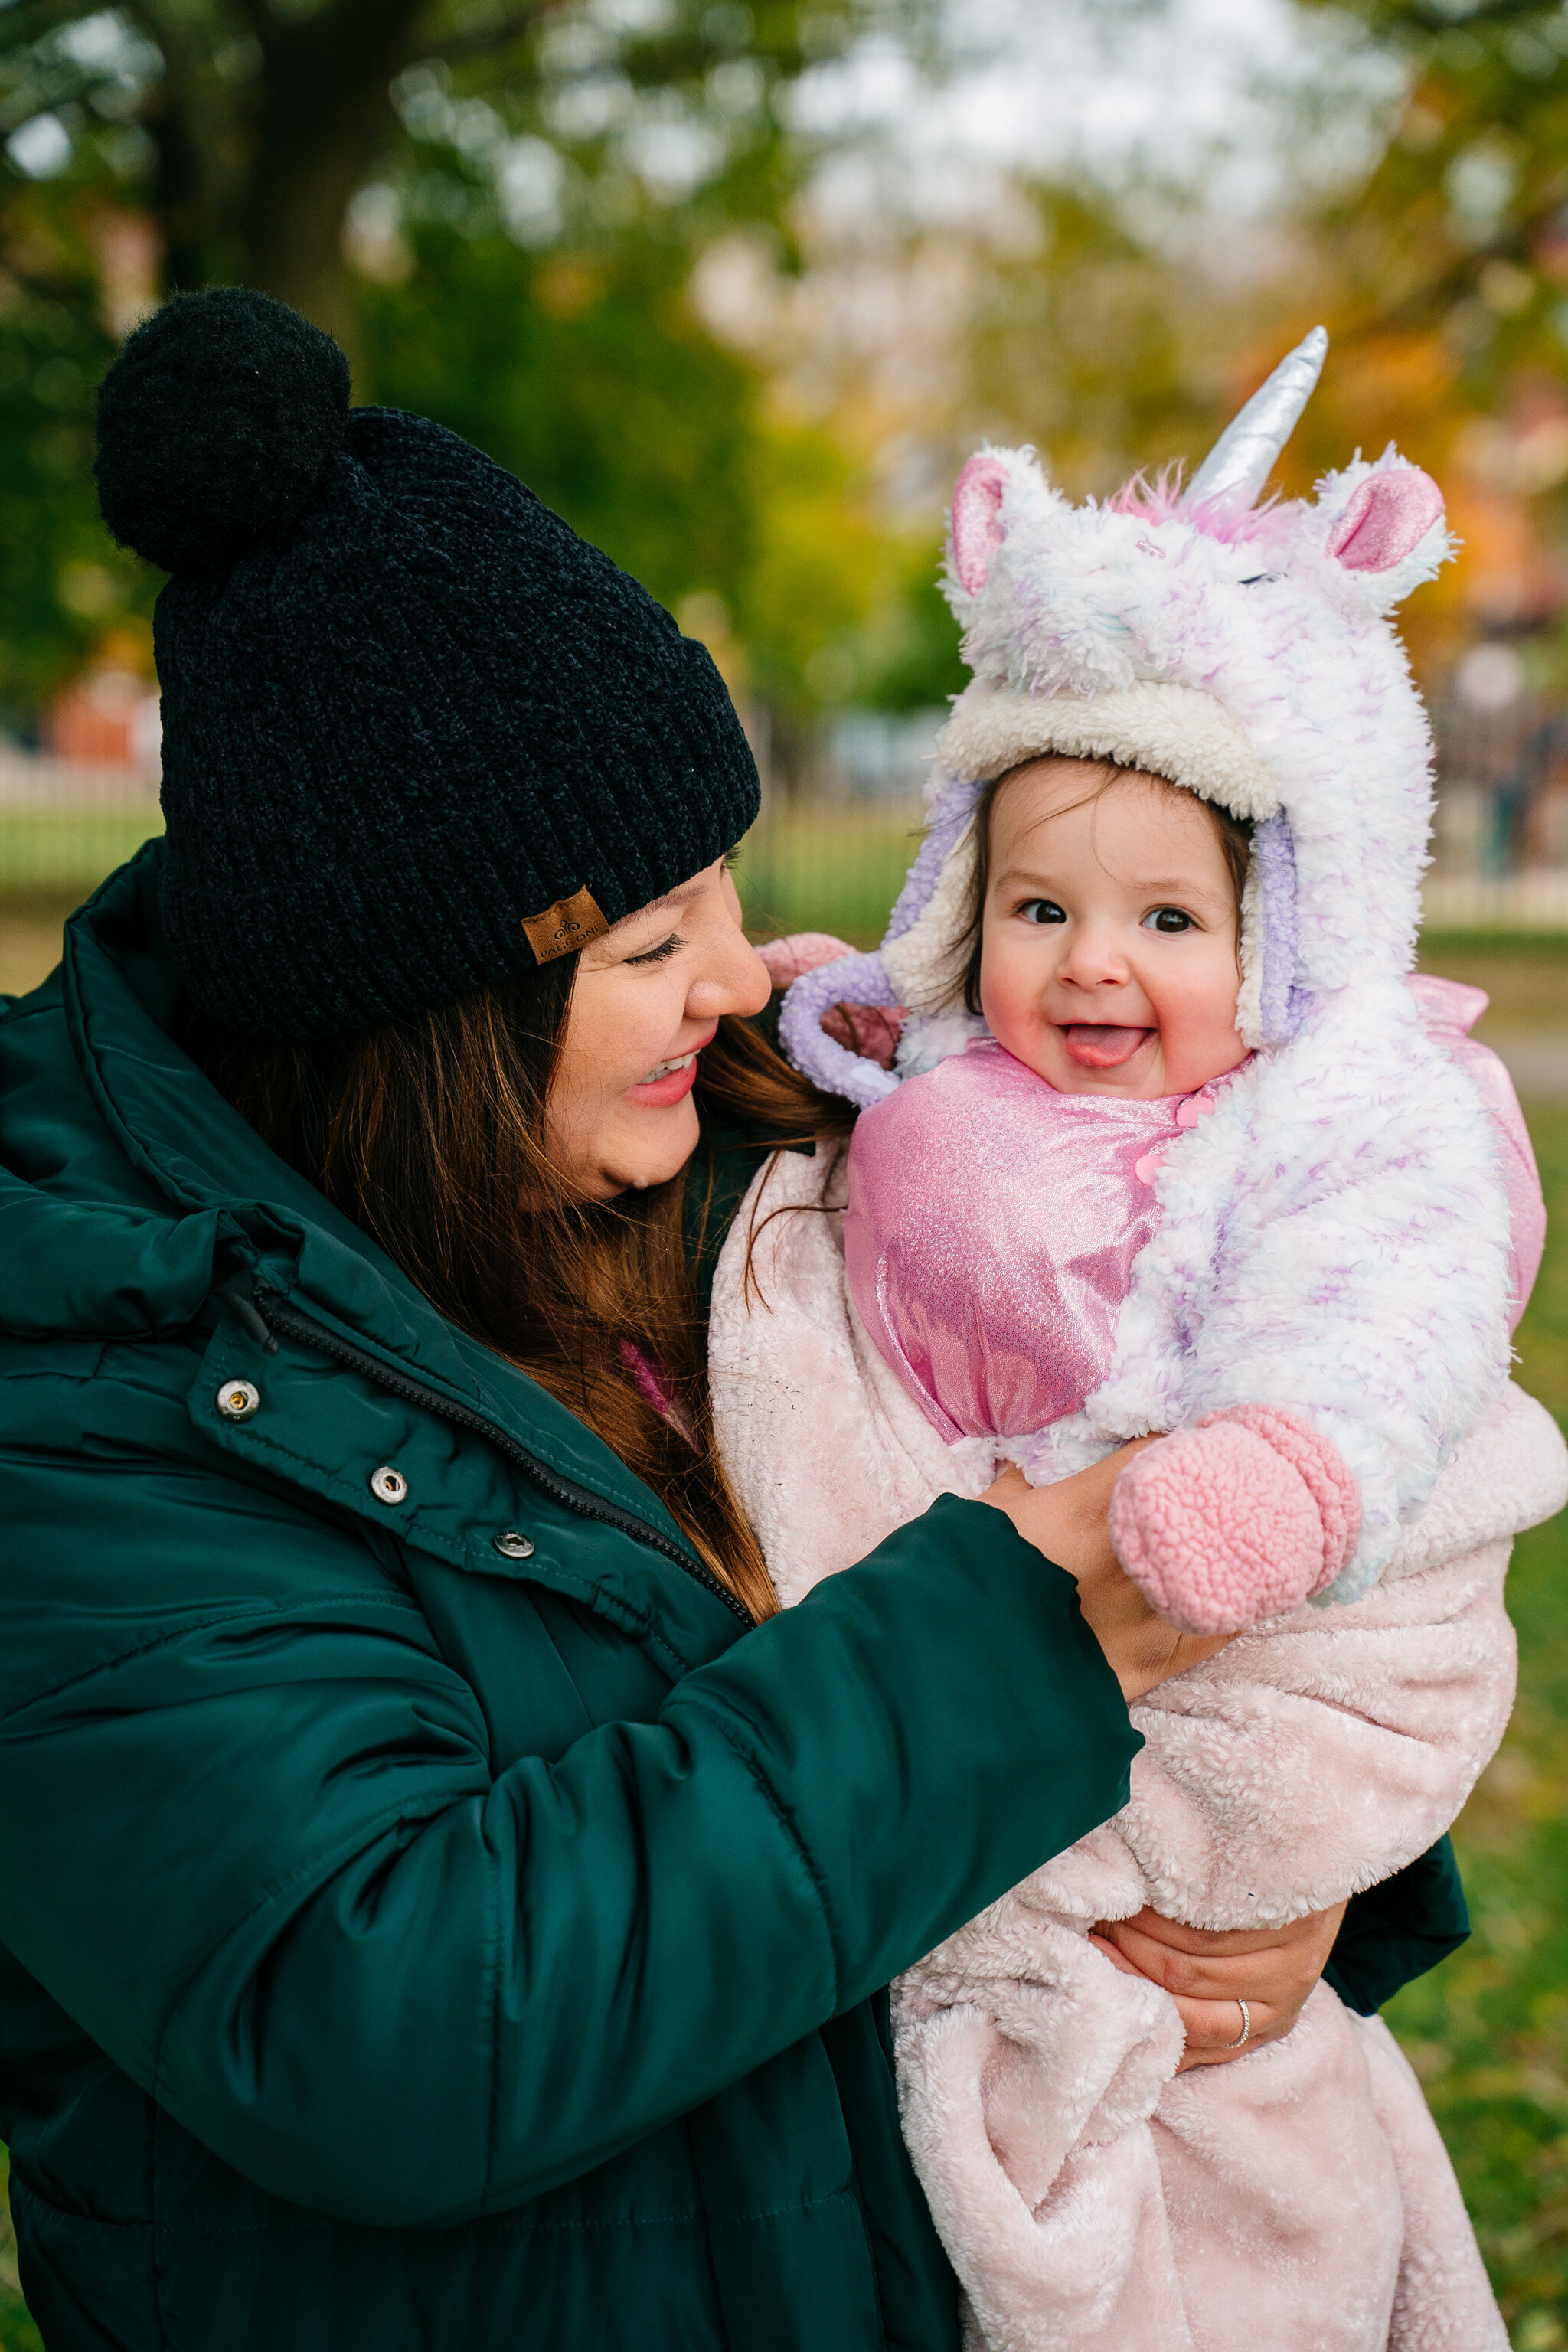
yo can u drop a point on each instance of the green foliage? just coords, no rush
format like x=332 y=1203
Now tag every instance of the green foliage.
x=818 y=569
x=246 y=128
x=588 y=375
x=1473 y=179
x=1449 y=304
x=592 y=381
x=540 y=182
x=60 y=580
x=797 y=873
x=912 y=659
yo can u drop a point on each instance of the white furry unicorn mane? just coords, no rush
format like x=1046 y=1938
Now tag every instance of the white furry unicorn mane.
x=1245 y=654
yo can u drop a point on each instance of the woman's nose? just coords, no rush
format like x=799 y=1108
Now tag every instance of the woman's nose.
x=735 y=980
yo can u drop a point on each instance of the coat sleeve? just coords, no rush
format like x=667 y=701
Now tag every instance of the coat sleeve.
x=251 y=1842
x=1394 y=1933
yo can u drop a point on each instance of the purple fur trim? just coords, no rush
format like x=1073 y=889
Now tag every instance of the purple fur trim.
x=1274 y=852
x=948 y=819
x=853 y=979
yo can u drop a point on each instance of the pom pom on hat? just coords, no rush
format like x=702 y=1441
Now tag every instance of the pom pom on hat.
x=214 y=425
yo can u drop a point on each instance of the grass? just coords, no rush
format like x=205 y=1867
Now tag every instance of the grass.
x=17 y=2332
x=797 y=873
x=68 y=850
x=1526 y=979
x=1487 y=2032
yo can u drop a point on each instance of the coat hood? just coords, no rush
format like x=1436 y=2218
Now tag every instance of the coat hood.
x=1245 y=654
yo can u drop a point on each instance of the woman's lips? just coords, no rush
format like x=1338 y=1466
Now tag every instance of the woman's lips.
x=1098 y=1045
x=667 y=1082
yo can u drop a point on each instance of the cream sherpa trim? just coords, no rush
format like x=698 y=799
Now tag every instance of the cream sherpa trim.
x=1176 y=731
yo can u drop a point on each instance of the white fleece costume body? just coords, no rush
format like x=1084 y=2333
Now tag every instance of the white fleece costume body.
x=1333 y=1238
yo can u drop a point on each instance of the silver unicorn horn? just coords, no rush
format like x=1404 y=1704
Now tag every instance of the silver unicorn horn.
x=1242 y=459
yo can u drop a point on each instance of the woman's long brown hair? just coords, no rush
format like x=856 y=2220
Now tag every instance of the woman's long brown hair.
x=429 y=1133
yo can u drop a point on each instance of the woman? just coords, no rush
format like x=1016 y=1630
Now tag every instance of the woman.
x=426 y=1920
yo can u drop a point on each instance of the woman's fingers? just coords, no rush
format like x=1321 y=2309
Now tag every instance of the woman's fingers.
x=1272 y=1969
x=1210 y=2027
x=1191 y=1964
x=1067 y=1523
x=1214 y=2027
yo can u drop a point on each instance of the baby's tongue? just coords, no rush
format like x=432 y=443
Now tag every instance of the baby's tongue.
x=1095 y=1045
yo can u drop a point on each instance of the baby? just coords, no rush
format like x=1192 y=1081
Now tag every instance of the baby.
x=998 y=1205
x=1174 y=1145
x=1105 y=962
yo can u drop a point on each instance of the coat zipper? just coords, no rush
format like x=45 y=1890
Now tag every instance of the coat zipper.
x=274 y=1314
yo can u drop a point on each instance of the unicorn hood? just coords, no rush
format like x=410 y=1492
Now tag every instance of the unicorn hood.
x=1245 y=654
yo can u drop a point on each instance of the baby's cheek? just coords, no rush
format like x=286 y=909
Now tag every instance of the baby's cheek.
x=1011 y=1009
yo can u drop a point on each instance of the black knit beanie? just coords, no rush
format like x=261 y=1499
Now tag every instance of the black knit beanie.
x=418 y=735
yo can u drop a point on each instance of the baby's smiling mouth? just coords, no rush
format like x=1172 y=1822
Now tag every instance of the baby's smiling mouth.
x=1099 y=1046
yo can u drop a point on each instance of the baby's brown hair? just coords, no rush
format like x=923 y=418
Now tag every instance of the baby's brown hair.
x=1234 y=835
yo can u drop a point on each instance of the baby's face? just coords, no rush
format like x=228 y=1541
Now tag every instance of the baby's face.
x=1109 y=940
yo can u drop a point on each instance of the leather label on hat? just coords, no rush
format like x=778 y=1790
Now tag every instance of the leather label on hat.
x=569 y=923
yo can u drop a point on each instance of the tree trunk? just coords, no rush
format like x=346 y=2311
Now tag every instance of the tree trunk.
x=324 y=115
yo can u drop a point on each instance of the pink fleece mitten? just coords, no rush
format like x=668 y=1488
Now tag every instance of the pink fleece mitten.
x=1240 y=1519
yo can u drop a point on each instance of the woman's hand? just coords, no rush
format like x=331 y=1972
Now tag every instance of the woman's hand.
x=1067 y=1523
x=1272 y=1969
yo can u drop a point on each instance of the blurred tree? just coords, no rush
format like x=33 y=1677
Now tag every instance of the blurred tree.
x=588 y=377
x=247 y=127
x=1082 y=338
x=496 y=204
x=1099 y=347
x=1448 y=276
x=61 y=581
x=586 y=372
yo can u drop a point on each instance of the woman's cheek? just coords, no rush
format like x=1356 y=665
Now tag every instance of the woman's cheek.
x=647 y=1146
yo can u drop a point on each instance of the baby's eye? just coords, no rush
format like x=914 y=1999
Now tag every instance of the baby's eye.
x=1042 y=910
x=1167 y=919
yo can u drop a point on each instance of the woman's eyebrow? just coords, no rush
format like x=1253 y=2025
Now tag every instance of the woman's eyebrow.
x=671 y=902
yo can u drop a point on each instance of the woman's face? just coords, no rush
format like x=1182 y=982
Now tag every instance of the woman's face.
x=648 y=997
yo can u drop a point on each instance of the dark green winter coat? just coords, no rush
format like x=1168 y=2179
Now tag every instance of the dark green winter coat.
x=426 y=1920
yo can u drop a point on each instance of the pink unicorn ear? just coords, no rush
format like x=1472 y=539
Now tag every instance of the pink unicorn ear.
x=977 y=530
x=1387 y=516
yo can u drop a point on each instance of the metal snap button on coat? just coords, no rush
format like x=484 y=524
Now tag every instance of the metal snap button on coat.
x=511 y=1546
x=237 y=1400
x=388 y=1486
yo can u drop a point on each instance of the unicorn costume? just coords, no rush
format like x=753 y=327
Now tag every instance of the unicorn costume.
x=1322 y=1255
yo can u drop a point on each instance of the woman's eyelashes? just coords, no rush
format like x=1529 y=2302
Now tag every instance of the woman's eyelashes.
x=662 y=953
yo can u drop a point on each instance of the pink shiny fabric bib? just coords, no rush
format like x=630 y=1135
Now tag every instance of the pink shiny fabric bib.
x=991 y=1232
